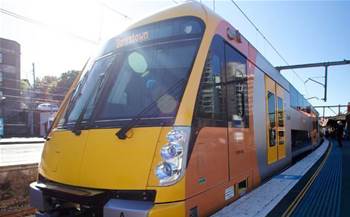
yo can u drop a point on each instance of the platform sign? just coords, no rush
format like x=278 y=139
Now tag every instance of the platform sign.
x=1 y=127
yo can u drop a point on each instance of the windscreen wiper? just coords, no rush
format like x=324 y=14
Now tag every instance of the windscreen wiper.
x=76 y=129
x=73 y=99
x=121 y=134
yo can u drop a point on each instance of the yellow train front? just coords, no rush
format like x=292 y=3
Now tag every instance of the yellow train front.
x=177 y=116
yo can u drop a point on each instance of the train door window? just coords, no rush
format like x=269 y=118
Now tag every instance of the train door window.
x=237 y=88
x=272 y=117
x=281 y=137
x=281 y=149
x=211 y=102
x=280 y=115
x=280 y=112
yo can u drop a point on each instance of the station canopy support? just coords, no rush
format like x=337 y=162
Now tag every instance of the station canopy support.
x=330 y=107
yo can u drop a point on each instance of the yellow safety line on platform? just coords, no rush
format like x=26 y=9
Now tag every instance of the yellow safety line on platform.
x=300 y=196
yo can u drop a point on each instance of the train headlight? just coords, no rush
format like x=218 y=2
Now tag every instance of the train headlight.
x=166 y=170
x=175 y=136
x=174 y=156
x=171 y=151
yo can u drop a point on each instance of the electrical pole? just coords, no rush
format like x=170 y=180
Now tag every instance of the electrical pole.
x=33 y=64
x=322 y=64
x=325 y=83
x=32 y=107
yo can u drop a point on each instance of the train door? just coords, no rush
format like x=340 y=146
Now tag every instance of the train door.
x=271 y=120
x=275 y=121
x=239 y=133
x=208 y=165
x=281 y=148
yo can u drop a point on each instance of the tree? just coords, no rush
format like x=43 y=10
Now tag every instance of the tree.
x=44 y=86
x=64 y=82
x=25 y=85
x=54 y=88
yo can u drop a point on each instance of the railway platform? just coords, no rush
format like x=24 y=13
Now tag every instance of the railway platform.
x=322 y=196
x=317 y=185
x=22 y=140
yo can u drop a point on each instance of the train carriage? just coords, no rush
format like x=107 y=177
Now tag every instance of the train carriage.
x=178 y=116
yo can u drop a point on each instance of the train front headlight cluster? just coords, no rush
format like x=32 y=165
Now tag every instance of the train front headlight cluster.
x=174 y=156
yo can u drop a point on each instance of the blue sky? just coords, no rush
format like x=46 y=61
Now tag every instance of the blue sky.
x=303 y=32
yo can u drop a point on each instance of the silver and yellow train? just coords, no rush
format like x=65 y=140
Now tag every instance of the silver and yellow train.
x=178 y=116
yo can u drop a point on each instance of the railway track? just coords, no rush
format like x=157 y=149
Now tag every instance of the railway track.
x=14 y=191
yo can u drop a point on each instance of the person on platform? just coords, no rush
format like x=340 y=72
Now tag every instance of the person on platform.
x=346 y=131
x=339 y=133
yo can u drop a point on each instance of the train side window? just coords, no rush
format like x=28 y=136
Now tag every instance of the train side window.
x=300 y=139
x=272 y=117
x=242 y=187
x=211 y=102
x=293 y=97
x=280 y=137
x=237 y=88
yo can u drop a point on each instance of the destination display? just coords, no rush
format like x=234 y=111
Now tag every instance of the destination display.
x=164 y=30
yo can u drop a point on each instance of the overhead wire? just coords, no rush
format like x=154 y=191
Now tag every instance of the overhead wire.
x=114 y=10
x=32 y=21
x=44 y=25
x=269 y=42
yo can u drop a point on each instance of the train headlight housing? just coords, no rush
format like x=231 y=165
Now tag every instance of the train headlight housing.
x=174 y=156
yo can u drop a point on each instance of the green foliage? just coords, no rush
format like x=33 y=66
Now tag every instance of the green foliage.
x=64 y=82
x=25 y=85
x=45 y=85
x=52 y=87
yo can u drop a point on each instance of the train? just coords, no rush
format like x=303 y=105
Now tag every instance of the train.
x=179 y=115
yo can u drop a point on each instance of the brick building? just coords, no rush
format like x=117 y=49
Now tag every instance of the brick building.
x=11 y=114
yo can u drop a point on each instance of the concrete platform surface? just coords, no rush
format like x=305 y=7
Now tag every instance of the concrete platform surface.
x=263 y=199
x=16 y=154
x=21 y=140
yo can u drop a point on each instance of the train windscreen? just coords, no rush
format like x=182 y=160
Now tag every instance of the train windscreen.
x=142 y=73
